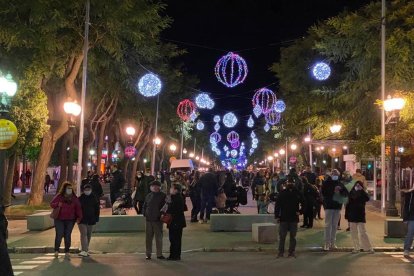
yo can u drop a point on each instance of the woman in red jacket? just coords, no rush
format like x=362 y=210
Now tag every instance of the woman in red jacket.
x=69 y=213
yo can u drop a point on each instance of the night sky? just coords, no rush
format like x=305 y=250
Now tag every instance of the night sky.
x=255 y=29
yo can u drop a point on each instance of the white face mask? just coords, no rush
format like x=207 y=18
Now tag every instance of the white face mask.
x=68 y=191
x=335 y=177
x=89 y=192
x=147 y=174
x=172 y=191
x=172 y=178
x=159 y=176
x=153 y=189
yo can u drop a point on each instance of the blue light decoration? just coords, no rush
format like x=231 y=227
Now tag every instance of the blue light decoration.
x=149 y=85
x=321 y=71
x=231 y=70
x=265 y=99
x=200 y=125
x=254 y=146
x=272 y=118
x=204 y=101
x=216 y=119
x=215 y=137
x=250 y=122
x=226 y=148
x=255 y=141
x=217 y=127
x=266 y=127
x=193 y=116
x=233 y=153
x=252 y=134
x=218 y=152
x=229 y=120
x=116 y=156
x=280 y=106
x=257 y=111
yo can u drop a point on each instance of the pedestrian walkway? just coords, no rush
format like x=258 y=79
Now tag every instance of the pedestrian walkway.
x=21 y=264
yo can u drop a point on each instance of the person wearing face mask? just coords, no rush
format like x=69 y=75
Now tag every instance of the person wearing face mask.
x=90 y=216
x=117 y=183
x=138 y=199
x=334 y=196
x=164 y=185
x=143 y=189
x=356 y=217
x=153 y=204
x=175 y=228
x=69 y=212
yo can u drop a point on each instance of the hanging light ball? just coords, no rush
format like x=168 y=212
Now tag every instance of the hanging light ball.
x=232 y=137
x=185 y=109
x=265 y=99
x=216 y=118
x=130 y=151
x=233 y=153
x=272 y=118
x=250 y=122
x=321 y=71
x=231 y=70
x=215 y=137
x=229 y=120
x=200 y=125
x=280 y=106
x=217 y=127
x=255 y=141
x=235 y=144
x=116 y=156
x=193 y=116
x=149 y=85
x=204 y=101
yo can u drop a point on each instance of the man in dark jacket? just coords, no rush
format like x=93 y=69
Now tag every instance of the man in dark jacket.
x=143 y=188
x=209 y=186
x=289 y=205
x=153 y=204
x=310 y=176
x=408 y=218
x=117 y=183
x=176 y=209
x=310 y=193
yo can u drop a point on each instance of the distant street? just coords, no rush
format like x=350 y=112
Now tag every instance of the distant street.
x=215 y=264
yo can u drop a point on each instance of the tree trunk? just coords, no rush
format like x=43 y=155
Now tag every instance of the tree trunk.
x=9 y=179
x=70 y=157
x=63 y=161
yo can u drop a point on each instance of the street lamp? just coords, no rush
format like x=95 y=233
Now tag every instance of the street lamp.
x=173 y=148
x=72 y=109
x=157 y=141
x=8 y=89
x=91 y=154
x=282 y=152
x=184 y=151
x=335 y=128
x=307 y=139
x=293 y=147
x=130 y=131
x=392 y=107
x=191 y=155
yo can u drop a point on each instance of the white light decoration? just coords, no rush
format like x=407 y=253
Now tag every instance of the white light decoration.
x=321 y=71
x=335 y=128
x=254 y=146
x=280 y=106
x=72 y=108
x=216 y=119
x=217 y=127
x=204 y=101
x=7 y=85
x=266 y=127
x=229 y=120
x=215 y=137
x=149 y=85
x=233 y=153
x=255 y=141
x=393 y=104
x=257 y=110
x=200 y=125
x=193 y=116
x=252 y=135
x=250 y=122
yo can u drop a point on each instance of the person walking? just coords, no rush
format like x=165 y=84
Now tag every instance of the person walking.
x=117 y=183
x=408 y=218
x=47 y=183
x=195 y=196
x=90 y=216
x=96 y=186
x=310 y=193
x=289 y=206
x=143 y=189
x=334 y=196
x=259 y=189
x=175 y=228
x=138 y=200
x=69 y=212
x=5 y=264
x=209 y=187
x=358 y=176
x=356 y=217
x=153 y=204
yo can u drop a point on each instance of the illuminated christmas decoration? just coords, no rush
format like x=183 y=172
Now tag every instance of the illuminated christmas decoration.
x=149 y=85
x=116 y=156
x=217 y=127
x=250 y=122
x=321 y=71
x=280 y=106
x=229 y=120
x=272 y=118
x=225 y=148
x=231 y=70
x=266 y=127
x=227 y=153
x=130 y=151
x=253 y=135
x=193 y=116
x=104 y=153
x=233 y=153
x=264 y=98
x=255 y=141
x=200 y=125
x=218 y=152
x=257 y=110
x=235 y=144
x=185 y=109
x=215 y=137
x=216 y=119
x=232 y=137
x=204 y=101
x=254 y=146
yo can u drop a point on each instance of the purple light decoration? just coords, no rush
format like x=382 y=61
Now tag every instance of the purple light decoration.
x=234 y=65
x=130 y=151
x=272 y=118
x=235 y=145
x=215 y=137
x=264 y=98
x=232 y=137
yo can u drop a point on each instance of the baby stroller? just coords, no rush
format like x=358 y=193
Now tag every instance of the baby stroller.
x=123 y=202
x=233 y=202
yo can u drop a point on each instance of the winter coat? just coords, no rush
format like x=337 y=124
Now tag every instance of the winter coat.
x=96 y=187
x=328 y=191
x=176 y=209
x=195 y=189
x=143 y=188
x=409 y=206
x=70 y=209
x=356 y=205
x=310 y=193
x=208 y=184
x=221 y=200
x=152 y=206
x=117 y=182
x=311 y=177
x=289 y=205
x=90 y=209
x=229 y=188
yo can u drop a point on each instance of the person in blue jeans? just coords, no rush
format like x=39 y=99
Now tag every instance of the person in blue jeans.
x=408 y=218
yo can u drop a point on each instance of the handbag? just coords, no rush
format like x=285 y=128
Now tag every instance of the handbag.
x=55 y=213
x=166 y=218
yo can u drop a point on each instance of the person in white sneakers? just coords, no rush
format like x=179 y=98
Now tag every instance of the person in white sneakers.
x=90 y=210
x=408 y=218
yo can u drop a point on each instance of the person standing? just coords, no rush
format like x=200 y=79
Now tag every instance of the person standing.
x=70 y=211
x=28 y=177
x=47 y=183
x=117 y=183
x=143 y=189
x=289 y=206
x=310 y=176
x=195 y=196
x=138 y=200
x=209 y=187
x=408 y=218
x=310 y=193
x=356 y=217
x=90 y=216
x=334 y=196
x=358 y=176
x=5 y=264
x=175 y=228
x=259 y=186
x=153 y=204
x=96 y=186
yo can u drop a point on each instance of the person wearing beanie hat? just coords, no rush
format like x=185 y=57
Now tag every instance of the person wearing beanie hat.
x=90 y=210
x=153 y=204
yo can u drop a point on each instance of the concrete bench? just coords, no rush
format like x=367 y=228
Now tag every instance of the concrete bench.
x=395 y=228
x=264 y=232
x=113 y=224
x=40 y=221
x=237 y=222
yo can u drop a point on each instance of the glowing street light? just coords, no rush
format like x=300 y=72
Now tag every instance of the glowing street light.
x=130 y=131
x=335 y=128
x=91 y=152
x=282 y=152
x=276 y=155
x=197 y=158
x=293 y=147
x=393 y=104
x=173 y=148
x=307 y=139
x=269 y=158
x=157 y=141
x=184 y=151
x=191 y=155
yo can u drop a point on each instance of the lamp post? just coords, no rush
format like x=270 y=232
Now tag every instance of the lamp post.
x=72 y=109
x=335 y=128
x=283 y=152
x=392 y=107
x=270 y=158
x=173 y=148
x=91 y=154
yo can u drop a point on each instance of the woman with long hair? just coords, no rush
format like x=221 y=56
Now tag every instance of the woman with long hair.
x=69 y=212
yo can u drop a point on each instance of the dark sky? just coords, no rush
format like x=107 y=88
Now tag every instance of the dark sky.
x=255 y=29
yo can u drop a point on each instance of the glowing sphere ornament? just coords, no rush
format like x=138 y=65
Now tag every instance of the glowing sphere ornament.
x=217 y=127
x=130 y=151
x=250 y=122
x=272 y=118
x=229 y=120
x=149 y=85
x=257 y=110
x=235 y=145
x=200 y=125
x=232 y=137
x=204 y=101
x=185 y=109
x=216 y=119
x=321 y=71
x=265 y=99
x=233 y=153
x=215 y=137
x=255 y=141
x=280 y=106
x=193 y=116
x=231 y=70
